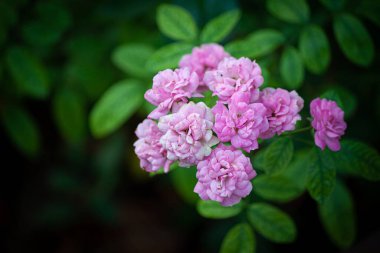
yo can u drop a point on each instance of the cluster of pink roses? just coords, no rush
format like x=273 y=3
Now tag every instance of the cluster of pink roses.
x=188 y=132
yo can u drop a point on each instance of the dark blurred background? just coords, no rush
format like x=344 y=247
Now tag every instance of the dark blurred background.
x=62 y=190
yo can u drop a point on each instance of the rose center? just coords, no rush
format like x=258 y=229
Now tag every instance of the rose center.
x=225 y=173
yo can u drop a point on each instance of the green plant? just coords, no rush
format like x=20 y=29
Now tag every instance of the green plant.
x=290 y=165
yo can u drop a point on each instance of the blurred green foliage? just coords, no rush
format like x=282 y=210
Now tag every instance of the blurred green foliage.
x=213 y=210
x=338 y=216
x=239 y=239
x=272 y=223
x=90 y=65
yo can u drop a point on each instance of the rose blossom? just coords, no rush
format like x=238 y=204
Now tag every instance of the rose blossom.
x=188 y=136
x=241 y=123
x=328 y=122
x=203 y=58
x=148 y=148
x=170 y=90
x=224 y=176
x=234 y=75
x=283 y=109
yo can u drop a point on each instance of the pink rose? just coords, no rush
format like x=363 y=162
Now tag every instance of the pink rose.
x=203 y=58
x=188 y=134
x=241 y=123
x=170 y=90
x=224 y=176
x=328 y=122
x=148 y=148
x=283 y=109
x=233 y=75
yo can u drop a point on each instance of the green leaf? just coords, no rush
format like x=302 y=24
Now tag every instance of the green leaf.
x=278 y=155
x=239 y=239
x=291 y=68
x=184 y=181
x=28 y=73
x=354 y=39
x=272 y=223
x=213 y=209
x=292 y=11
x=259 y=43
x=296 y=171
x=168 y=56
x=315 y=49
x=265 y=41
x=218 y=28
x=276 y=188
x=176 y=22
x=69 y=113
x=115 y=107
x=22 y=130
x=359 y=159
x=132 y=58
x=208 y=99
x=333 y=5
x=321 y=174
x=258 y=160
x=338 y=218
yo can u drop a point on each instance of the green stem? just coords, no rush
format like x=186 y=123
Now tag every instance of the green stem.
x=298 y=131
